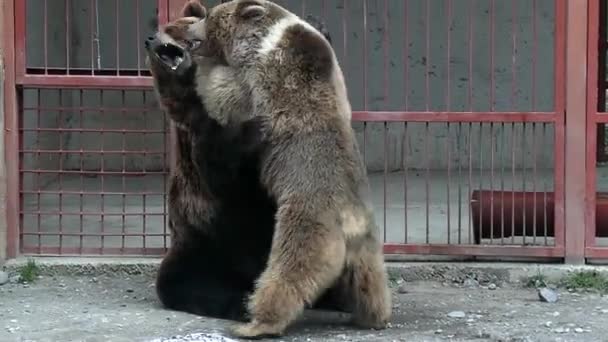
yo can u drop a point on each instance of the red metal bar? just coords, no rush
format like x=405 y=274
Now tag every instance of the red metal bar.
x=378 y=116
x=593 y=34
x=576 y=176
x=17 y=22
x=596 y=252
x=560 y=109
x=108 y=251
x=85 y=82
x=11 y=124
x=495 y=250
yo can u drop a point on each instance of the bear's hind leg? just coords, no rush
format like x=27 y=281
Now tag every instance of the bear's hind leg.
x=306 y=257
x=184 y=284
x=371 y=295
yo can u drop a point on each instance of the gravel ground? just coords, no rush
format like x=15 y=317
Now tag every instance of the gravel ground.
x=126 y=309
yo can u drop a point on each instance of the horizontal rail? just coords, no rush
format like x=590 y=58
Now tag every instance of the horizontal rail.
x=85 y=82
x=380 y=116
x=494 y=250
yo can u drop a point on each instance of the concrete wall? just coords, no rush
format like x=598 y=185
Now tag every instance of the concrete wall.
x=406 y=72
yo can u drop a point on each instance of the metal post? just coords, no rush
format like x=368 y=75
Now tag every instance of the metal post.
x=575 y=177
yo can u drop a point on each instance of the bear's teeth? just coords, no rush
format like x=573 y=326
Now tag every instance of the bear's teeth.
x=176 y=62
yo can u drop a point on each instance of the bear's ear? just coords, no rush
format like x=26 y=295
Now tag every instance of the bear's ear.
x=251 y=9
x=193 y=8
x=316 y=51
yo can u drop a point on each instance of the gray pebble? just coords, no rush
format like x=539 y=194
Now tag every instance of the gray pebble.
x=457 y=314
x=402 y=288
x=3 y=278
x=547 y=295
x=470 y=283
x=492 y=286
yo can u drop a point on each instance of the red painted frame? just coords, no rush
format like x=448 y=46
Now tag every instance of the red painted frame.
x=11 y=129
x=594 y=116
x=15 y=10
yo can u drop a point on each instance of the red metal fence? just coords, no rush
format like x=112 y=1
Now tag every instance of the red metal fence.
x=459 y=106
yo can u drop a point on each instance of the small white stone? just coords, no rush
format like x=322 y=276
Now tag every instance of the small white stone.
x=457 y=314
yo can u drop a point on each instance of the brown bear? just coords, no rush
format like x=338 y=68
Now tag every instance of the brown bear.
x=310 y=164
x=221 y=219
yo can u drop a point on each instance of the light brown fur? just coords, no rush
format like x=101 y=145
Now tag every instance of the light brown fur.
x=325 y=232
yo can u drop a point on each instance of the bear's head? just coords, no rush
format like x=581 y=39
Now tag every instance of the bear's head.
x=240 y=32
x=168 y=51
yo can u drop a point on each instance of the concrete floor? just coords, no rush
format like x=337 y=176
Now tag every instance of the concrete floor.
x=125 y=308
x=144 y=214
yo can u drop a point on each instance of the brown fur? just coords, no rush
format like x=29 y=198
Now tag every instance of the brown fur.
x=325 y=231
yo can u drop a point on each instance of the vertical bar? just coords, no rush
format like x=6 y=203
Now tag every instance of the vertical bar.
x=545 y=223
x=449 y=53
x=67 y=35
x=576 y=184
x=345 y=30
x=523 y=178
x=427 y=55
x=45 y=37
x=492 y=109
x=492 y=141
x=470 y=34
x=137 y=38
x=502 y=183
x=449 y=169
x=594 y=27
x=145 y=170
x=459 y=149
x=124 y=169
x=560 y=108
x=60 y=175
x=492 y=81
x=448 y=105
x=534 y=175
x=513 y=52
x=513 y=183
x=365 y=28
x=81 y=170
x=385 y=43
x=384 y=198
x=427 y=175
x=167 y=135
x=406 y=107
x=93 y=35
x=480 y=144
x=17 y=22
x=470 y=182
x=103 y=169
x=117 y=37
x=365 y=143
x=406 y=59
x=513 y=107
x=534 y=54
x=405 y=171
x=38 y=126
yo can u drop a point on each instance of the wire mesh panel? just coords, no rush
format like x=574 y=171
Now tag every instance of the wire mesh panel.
x=66 y=42
x=454 y=105
x=93 y=169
